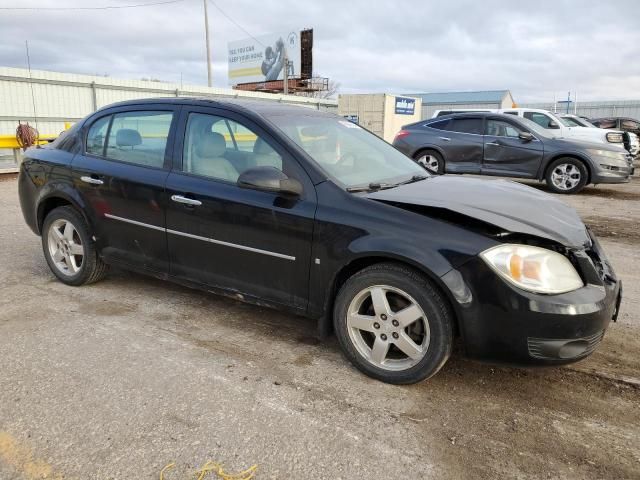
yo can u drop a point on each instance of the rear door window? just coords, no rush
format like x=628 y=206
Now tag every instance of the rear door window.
x=139 y=137
x=440 y=125
x=97 y=136
x=466 y=125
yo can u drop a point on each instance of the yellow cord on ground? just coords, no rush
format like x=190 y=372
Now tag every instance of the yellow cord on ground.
x=216 y=468
x=167 y=467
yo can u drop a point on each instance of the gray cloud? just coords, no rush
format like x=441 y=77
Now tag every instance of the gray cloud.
x=532 y=48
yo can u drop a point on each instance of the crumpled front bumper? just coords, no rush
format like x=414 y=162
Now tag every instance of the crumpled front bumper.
x=502 y=323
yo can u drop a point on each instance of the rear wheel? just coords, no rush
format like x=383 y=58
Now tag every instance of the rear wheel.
x=393 y=324
x=431 y=160
x=566 y=175
x=69 y=249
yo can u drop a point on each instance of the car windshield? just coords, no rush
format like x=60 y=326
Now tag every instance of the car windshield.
x=348 y=153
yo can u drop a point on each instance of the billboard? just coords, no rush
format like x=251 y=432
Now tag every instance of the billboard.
x=405 y=106
x=261 y=59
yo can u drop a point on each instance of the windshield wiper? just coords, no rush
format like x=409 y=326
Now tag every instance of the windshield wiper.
x=371 y=187
x=381 y=186
x=415 y=178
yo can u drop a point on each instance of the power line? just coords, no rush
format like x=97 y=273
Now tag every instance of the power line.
x=106 y=7
x=235 y=23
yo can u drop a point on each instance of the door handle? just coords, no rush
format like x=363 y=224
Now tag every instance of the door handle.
x=91 y=180
x=186 y=201
x=446 y=139
x=495 y=144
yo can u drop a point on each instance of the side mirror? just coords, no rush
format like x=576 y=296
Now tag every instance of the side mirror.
x=525 y=136
x=553 y=124
x=269 y=179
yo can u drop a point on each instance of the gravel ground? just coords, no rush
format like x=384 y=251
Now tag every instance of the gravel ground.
x=118 y=379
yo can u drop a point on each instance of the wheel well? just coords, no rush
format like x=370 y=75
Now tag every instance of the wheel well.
x=47 y=206
x=576 y=157
x=361 y=263
x=427 y=149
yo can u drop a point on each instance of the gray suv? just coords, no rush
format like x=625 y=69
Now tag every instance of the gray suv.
x=504 y=145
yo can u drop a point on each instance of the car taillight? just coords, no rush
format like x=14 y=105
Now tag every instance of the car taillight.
x=401 y=134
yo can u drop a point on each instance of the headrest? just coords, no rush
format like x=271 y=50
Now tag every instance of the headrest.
x=210 y=145
x=262 y=148
x=127 y=137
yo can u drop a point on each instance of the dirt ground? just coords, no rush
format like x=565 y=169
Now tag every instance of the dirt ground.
x=121 y=378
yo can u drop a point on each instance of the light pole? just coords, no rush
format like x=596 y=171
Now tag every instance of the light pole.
x=206 y=32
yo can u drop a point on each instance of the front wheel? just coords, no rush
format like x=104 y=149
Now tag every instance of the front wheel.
x=566 y=175
x=393 y=324
x=69 y=249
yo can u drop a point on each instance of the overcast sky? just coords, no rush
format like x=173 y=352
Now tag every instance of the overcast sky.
x=535 y=49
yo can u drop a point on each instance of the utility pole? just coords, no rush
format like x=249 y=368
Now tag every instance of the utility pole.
x=206 y=32
x=286 y=72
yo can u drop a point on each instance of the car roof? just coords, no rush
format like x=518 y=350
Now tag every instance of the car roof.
x=466 y=115
x=261 y=107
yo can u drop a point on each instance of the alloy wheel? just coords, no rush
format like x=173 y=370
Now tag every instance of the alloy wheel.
x=65 y=247
x=565 y=176
x=429 y=162
x=388 y=328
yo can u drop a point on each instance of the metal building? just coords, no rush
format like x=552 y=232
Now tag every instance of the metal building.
x=605 y=108
x=380 y=113
x=465 y=100
x=50 y=98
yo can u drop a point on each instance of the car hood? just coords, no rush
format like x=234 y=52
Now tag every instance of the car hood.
x=502 y=203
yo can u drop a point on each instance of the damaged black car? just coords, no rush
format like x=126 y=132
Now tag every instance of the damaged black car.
x=307 y=212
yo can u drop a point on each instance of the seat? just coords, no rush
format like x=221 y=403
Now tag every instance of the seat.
x=208 y=158
x=128 y=137
x=265 y=156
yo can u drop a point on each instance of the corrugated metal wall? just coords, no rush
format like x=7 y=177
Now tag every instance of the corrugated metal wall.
x=61 y=97
x=620 y=108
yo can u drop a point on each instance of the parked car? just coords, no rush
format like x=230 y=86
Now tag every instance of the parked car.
x=626 y=124
x=631 y=142
x=506 y=145
x=619 y=123
x=305 y=211
x=561 y=128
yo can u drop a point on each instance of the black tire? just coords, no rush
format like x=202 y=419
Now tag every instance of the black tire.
x=437 y=311
x=91 y=268
x=578 y=167
x=418 y=157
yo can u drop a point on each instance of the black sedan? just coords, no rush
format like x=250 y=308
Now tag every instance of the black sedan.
x=510 y=146
x=307 y=212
